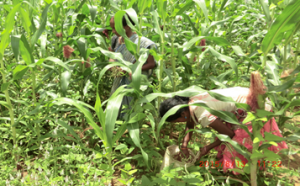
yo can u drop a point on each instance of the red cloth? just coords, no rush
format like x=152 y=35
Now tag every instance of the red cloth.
x=227 y=154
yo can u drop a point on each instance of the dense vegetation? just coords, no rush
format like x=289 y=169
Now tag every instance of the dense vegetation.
x=58 y=121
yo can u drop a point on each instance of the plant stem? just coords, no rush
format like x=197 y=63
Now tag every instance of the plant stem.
x=172 y=58
x=264 y=63
x=140 y=30
x=256 y=132
x=161 y=65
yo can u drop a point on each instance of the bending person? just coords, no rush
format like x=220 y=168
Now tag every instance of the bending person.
x=198 y=115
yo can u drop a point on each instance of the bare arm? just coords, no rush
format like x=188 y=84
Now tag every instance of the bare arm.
x=150 y=63
x=221 y=128
x=188 y=136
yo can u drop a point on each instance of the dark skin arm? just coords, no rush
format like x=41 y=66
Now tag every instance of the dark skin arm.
x=186 y=139
x=150 y=63
x=221 y=128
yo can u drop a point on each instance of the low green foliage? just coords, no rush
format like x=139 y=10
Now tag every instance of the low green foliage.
x=58 y=121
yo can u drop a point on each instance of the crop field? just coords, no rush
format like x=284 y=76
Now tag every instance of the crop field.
x=60 y=120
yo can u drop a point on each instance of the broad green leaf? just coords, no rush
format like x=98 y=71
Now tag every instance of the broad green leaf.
x=156 y=23
x=283 y=87
x=15 y=45
x=263 y=113
x=43 y=40
x=218 y=40
x=25 y=21
x=202 y=5
x=112 y=111
x=146 y=181
x=121 y=146
x=214 y=23
x=118 y=23
x=9 y=25
x=192 y=42
x=142 y=5
x=64 y=81
x=137 y=117
x=220 y=97
x=257 y=155
x=43 y=21
x=270 y=155
x=93 y=12
x=131 y=47
x=272 y=71
x=226 y=116
x=152 y=122
x=5 y=104
x=113 y=5
x=25 y=50
x=86 y=87
x=295 y=102
x=70 y=129
x=19 y=72
x=235 y=145
x=250 y=117
x=265 y=7
x=134 y=133
x=192 y=24
x=81 y=107
x=99 y=112
x=235 y=20
x=161 y=9
x=133 y=16
x=188 y=92
x=187 y=6
x=82 y=46
x=56 y=61
x=287 y=19
x=120 y=132
x=137 y=69
x=222 y=5
x=238 y=51
x=272 y=137
x=4 y=86
x=225 y=58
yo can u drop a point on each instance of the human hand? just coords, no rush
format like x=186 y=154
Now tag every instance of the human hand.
x=183 y=154
x=203 y=152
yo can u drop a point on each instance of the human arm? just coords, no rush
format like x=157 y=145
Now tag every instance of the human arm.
x=186 y=139
x=150 y=63
x=188 y=136
x=221 y=128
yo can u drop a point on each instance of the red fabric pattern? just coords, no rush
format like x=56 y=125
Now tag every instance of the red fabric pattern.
x=227 y=154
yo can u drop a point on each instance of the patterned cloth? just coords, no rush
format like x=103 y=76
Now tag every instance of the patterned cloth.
x=238 y=94
x=226 y=153
x=121 y=48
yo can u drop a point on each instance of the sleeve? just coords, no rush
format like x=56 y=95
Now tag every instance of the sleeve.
x=114 y=40
x=203 y=117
